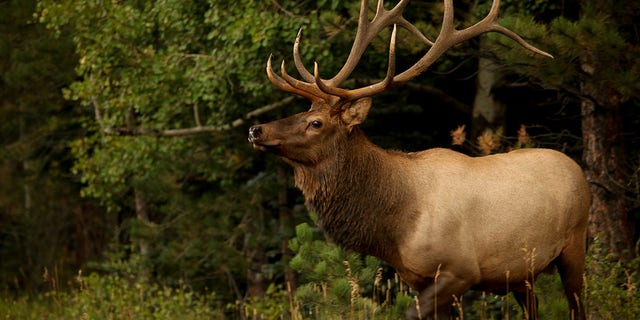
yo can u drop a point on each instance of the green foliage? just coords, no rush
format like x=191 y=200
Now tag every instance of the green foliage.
x=212 y=212
x=485 y=305
x=594 y=36
x=540 y=9
x=276 y=304
x=550 y=293
x=343 y=285
x=40 y=204
x=162 y=59
x=203 y=207
x=611 y=286
x=113 y=297
x=120 y=295
x=149 y=66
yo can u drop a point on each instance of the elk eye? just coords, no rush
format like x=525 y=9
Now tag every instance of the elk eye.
x=316 y=124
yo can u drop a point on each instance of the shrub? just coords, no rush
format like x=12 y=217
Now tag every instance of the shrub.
x=342 y=285
x=113 y=297
x=612 y=288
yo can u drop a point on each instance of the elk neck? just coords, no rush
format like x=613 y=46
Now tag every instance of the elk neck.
x=360 y=196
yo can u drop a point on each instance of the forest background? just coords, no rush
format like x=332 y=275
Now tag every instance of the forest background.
x=129 y=189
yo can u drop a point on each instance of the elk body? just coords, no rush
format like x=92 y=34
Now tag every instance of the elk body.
x=446 y=222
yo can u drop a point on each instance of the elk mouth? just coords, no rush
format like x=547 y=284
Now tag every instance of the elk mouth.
x=258 y=144
x=265 y=148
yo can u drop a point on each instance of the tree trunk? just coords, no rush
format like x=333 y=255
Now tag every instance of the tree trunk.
x=286 y=227
x=255 y=251
x=488 y=113
x=604 y=158
x=256 y=283
x=90 y=233
x=142 y=214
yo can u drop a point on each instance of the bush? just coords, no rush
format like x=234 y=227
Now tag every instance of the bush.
x=612 y=288
x=341 y=285
x=112 y=297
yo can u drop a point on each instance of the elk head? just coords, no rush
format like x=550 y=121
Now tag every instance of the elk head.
x=308 y=137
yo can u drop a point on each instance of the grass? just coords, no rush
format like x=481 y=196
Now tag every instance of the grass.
x=354 y=288
x=111 y=297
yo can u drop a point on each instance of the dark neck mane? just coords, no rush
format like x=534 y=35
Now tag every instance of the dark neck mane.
x=357 y=196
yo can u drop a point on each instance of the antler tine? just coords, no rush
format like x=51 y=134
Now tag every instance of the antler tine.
x=450 y=37
x=365 y=33
x=514 y=36
x=490 y=23
x=304 y=86
x=286 y=86
x=357 y=48
x=413 y=29
x=317 y=89
x=368 y=90
x=304 y=73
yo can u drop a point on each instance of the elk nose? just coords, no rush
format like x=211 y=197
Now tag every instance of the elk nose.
x=254 y=133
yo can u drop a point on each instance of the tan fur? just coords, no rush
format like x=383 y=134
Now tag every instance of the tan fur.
x=496 y=218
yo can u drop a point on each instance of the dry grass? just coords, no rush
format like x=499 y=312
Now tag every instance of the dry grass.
x=611 y=292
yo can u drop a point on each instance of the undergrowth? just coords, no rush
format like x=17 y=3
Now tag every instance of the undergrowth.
x=340 y=285
x=111 y=297
x=333 y=284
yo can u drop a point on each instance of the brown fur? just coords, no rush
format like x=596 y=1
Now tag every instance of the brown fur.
x=487 y=223
x=356 y=208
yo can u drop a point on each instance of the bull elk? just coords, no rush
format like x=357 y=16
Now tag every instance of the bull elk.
x=445 y=221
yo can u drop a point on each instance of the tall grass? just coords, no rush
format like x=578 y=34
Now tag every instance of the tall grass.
x=338 y=285
x=334 y=285
x=110 y=297
x=615 y=296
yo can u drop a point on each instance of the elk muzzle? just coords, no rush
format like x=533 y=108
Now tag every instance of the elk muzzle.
x=254 y=133
x=260 y=139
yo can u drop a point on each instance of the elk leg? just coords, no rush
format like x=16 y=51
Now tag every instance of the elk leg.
x=528 y=303
x=570 y=265
x=435 y=301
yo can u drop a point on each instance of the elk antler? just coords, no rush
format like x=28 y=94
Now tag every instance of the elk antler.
x=315 y=88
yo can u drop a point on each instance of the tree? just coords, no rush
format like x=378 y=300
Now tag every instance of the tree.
x=165 y=90
x=152 y=72
x=44 y=225
x=595 y=67
x=603 y=95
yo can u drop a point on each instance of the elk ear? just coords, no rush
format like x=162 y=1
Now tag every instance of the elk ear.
x=356 y=112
